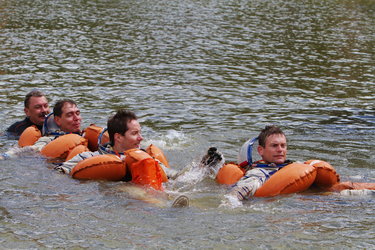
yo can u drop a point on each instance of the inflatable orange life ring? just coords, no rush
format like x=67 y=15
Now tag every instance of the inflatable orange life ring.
x=295 y=177
x=158 y=154
x=326 y=175
x=92 y=133
x=142 y=171
x=75 y=151
x=29 y=136
x=351 y=185
x=100 y=167
x=327 y=178
x=134 y=155
x=62 y=145
x=147 y=172
x=229 y=174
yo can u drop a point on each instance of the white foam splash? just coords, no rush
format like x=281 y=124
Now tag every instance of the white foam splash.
x=362 y=192
x=230 y=201
x=171 y=140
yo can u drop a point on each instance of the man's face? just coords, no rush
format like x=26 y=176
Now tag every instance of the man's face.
x=275 y=149
x=132 y=137
x=38 y=109
x=70 y=120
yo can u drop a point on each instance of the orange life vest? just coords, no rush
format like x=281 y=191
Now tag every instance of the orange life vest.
x=100 y=167
x=144 y=169
x=29 y=136
x=62 y=145
x=91 y=133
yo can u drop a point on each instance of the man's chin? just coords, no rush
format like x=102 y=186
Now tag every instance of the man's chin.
x=39 y=121
x=76 y=130
x=279 y=161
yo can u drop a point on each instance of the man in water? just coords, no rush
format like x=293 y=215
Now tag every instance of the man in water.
x=67 y=117
x=124 y=133
x=272 y=149
x=36 y=108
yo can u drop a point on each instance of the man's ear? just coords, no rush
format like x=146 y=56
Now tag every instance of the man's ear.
x=26 y=110
x=260 y=150
x=57 y=120
x=116 y=138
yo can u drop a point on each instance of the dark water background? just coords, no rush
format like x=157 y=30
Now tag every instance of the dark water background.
x=197 y=73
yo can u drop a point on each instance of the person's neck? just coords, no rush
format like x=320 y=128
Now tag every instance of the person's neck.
x=35 y=123
x=75 y=132
x=118 y=149
x=268 y=163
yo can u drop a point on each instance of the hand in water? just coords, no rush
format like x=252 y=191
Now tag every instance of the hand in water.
x=212 y=161
x=212 y=158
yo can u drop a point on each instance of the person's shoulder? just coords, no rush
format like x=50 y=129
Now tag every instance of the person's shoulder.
x=17 y=128
x=19 y=124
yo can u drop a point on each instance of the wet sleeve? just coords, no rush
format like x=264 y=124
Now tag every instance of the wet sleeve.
x=249 y=183
x=171 y=173
x=17 y=151
x=66 y=167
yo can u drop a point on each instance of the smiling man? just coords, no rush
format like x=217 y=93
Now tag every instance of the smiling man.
x=67 y=116
x=272 y=145
x=124 y=133
x=67 y=119
x=36 y=108
x=273 y=149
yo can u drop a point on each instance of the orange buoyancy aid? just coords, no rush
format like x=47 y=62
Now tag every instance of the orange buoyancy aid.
x=100 y=167
x=92 y=133
x=326 y=175
x=229 y=174
x=76 y=150
x=144 y=169
x=158 y=154
x=62 y=145
x=293 y=178
x=29 y=136
x=338 y=187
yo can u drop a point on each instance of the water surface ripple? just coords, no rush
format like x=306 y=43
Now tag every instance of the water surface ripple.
x=198 y=73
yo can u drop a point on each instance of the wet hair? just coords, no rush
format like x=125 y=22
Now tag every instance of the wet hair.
x=33 y=93
x=266 y=132
x=119 y=123
x=57 y=109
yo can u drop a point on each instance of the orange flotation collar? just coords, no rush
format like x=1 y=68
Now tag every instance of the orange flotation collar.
x=293 y=178
x=29 y=136
x=95 y=136
x=144 y=169
x=100 y=167
x=290 y=178
x=326 y=175
x=156 y=153
x=62 y=145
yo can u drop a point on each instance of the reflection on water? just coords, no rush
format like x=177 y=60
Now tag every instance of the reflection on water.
x=197 y=73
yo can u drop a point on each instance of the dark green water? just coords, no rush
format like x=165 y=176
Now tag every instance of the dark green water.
x=198 y=74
